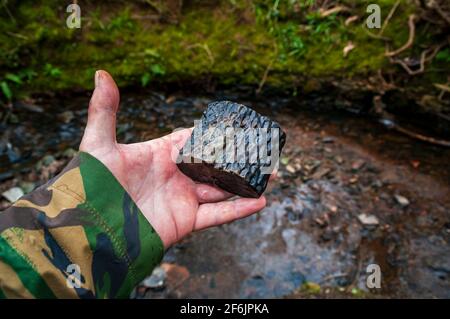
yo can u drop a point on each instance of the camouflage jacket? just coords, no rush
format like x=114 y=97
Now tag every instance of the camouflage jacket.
x=78 y=236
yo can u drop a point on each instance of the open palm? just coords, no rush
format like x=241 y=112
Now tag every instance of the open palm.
x=173 y=203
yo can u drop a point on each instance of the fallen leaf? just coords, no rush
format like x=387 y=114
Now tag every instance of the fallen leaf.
x=327 y=12
x=402 y=200
x=350 y=46
x=175 y=274
x=415 y=164
x=350 y=20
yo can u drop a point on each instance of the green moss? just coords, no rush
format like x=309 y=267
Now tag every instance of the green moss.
x=213 y=40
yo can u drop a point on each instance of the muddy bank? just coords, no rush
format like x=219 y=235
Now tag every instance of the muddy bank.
x=349 y=193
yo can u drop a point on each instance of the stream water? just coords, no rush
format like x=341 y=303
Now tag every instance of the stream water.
x=338 y=170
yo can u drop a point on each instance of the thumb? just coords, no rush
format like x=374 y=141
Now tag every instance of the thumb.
x=101 y=125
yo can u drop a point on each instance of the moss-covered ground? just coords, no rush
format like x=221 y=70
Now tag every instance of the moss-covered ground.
x=272 y=42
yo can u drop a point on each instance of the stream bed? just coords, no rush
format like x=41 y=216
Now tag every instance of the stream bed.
x=349 y=193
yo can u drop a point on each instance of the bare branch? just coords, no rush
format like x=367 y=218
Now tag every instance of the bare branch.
x=409 y=43
x=389 y=16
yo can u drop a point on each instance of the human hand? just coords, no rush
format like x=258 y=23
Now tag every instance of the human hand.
x=173 y=203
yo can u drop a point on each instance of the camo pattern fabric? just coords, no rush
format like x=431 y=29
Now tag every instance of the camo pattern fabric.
x=78 y=236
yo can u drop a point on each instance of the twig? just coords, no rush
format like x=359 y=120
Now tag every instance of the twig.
x=389 y=16
x=423 y=58
x=152 y=17
x=351 y=19
x=264 y=78
x=330 y=277
x=434 y=5
x=155 y=6
x=326 y=13
x=386 y=85
x=409 y=43
x=17 y=35
x=421 y=137
x=4 y=5
x=408 y=69
x=389 y=121
x=442 y=87
x=443 y=116
x=375 y=36
x=206 y=48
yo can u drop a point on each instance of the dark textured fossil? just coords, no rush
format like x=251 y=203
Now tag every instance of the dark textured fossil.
x=230 y=129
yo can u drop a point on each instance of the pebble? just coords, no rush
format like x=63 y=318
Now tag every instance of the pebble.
x=321 y=173
x=402 y=200
x=358 y=164
x=290 y=169
x=66 y=117
x=368 y=220
x=328 y=139
x=156 y=280
x=339 y=159
x=13 y=194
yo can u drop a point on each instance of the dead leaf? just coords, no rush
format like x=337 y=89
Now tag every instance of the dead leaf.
x=350 y=46
x=175 y=274
x=325 y=13
x=350 y=20
x=442 y=87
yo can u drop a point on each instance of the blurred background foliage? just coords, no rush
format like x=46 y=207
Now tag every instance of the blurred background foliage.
x=287 y=44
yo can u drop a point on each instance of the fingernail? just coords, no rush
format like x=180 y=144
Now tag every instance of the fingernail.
x=97 y=78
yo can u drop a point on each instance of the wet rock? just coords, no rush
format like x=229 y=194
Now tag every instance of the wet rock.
x=328 y=139
x=322 y=221
x=377 y=183
x=69 y=153
x=27 y=187
x=368 y=220
x=339 y=159
x=322 y=172
x=284 y=160
x=47 y=160
x=6 y=175
x=171 y=99
x=291 y=169
x=156 y=280
x=175 y=275
x=354 y=179
x=332 y=208
x=293 y=215
x=28 y=107
x=358 y=164
x=66 y=117
x=13 y=194
x=312 y=165
x=402 y=200
x=13 y=153
x=327 y=235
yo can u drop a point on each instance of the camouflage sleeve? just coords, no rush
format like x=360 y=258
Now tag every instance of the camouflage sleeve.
x=80 y=225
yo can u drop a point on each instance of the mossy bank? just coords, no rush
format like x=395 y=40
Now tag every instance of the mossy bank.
x=284 y=44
